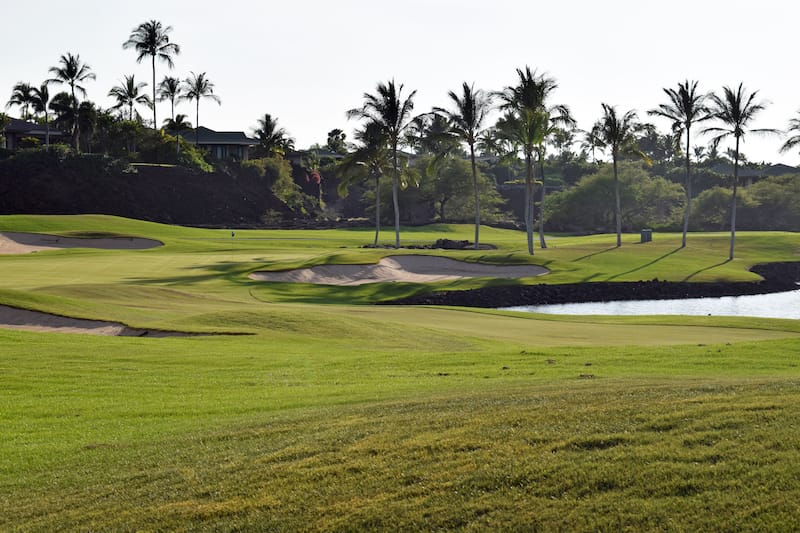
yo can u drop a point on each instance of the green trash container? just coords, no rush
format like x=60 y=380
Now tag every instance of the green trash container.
x=647 y=235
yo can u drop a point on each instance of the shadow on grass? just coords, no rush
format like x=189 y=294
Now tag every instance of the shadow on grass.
x=642 y=267
x=596 y=253
x=690 y=276
x=231 y=272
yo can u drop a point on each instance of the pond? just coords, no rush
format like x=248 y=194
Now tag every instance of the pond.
x=775 y=305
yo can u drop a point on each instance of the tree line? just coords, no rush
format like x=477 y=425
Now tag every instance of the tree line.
x=391 y=140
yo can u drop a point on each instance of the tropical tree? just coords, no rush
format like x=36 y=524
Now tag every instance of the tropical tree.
x=73 y=72
x=128 y=94
x=616 y=133
x=196 y=87
x=170 y=89
x=685 y=107
x=5 y=120
x=389 y=109
x=525 y=126
x=176 y=125
x=466 y=120
x=735 y=110
x=336 y=141
x=558 y=117
x=591 y=141
x=794 y=140
x=21 y=95
x=272 y=140
x=40 y=99
x=151 y=39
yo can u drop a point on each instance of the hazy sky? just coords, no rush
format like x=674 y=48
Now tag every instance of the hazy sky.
x=308 y=61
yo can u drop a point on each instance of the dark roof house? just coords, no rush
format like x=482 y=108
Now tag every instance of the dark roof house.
x=221 y=144
x=20 y=129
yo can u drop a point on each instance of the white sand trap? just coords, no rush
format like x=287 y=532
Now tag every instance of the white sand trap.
x=12 y=242
x=410 y=268
x=14 y=318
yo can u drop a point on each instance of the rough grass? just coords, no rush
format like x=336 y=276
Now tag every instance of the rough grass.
x=335 y=416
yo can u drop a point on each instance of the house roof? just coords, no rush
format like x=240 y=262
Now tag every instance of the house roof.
x=744 y=172
x=23 y=127
x=209 y=136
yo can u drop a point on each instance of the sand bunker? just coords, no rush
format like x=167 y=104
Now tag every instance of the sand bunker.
x=12 y=242
x=410 y=268
x=14 y=318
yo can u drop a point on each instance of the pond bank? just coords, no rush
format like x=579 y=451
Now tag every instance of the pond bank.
x=778 y=277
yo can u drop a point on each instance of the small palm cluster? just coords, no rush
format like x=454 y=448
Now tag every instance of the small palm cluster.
x=150 y=40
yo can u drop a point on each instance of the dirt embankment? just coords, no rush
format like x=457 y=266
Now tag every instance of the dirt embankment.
x=778 y=277
x=170 y=195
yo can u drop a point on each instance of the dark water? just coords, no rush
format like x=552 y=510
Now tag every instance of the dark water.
x=776 y=305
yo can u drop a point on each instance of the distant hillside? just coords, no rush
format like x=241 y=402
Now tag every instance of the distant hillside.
x=174 y=195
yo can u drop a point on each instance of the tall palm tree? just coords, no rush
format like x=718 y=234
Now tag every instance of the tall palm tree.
x=735 y=109
x=470 y=110
x=64 y=110
x=197 y=86
x=151 y=39
x=525 y=125
x=170 y=89
x=272 y=139
x=127 y=94
x=558 y=116
x=685 y=108
x=73 y=72
x=370 y=160
x=21 y=95
x=40 y=99
x=794 y=140
x=617 y=133
x=389 y=109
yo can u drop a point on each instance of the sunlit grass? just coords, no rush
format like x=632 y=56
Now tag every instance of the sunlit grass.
x=329 y=413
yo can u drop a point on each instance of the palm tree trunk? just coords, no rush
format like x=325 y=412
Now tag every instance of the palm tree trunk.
x=395 y=193
x=377 y=207
x=529 y=201
x=733 y=199
x=197 y=124
x=155 y=124
x=617 y=207
x=542 y=242
x=47 y=130
x=688 y=193
x=477 y=198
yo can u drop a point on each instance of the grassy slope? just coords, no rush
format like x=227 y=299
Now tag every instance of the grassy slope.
x=355 y=417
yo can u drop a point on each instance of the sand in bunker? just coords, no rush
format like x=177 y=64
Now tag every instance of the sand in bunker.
x=14 y=318
x=12 y=242
x=409 y=268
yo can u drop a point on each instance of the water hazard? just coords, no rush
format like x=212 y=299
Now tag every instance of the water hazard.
x=775 y=305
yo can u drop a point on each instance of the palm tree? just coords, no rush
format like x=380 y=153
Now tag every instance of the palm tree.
x=794 y=140
x=21 y=96
x=176 y=125
x=272 y=139
x=684 y=108
x=40 y=99
x=466 y=120
x=127 y=94
x=617 y=133
x=557 y=117
x=389 y=109
x=370 y=160
x=525 y=125
x=65 y=111
x=735 y=109
x=197 y=86
x=73 y=72
x=151 y=39
x=170 y=89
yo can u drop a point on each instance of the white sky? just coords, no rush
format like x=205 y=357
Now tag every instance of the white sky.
x=307 y=61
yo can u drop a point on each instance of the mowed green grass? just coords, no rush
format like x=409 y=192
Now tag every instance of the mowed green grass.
x=326 y=413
